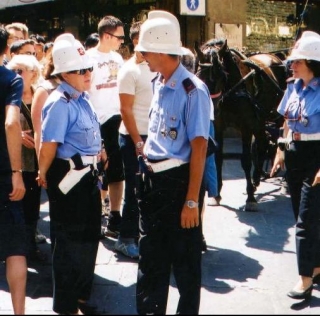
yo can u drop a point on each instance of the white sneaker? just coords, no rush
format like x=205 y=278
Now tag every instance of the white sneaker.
x=213 y=202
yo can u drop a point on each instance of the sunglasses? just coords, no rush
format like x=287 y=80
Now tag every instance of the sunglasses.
x=80 y=72
x=119 y=37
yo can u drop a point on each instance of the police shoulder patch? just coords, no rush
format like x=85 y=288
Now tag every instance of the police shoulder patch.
x=188 y=85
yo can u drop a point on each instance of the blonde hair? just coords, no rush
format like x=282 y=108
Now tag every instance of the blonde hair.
x=18 y=26
x=28 y=61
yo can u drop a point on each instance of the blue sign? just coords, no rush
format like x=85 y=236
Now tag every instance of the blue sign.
x=192 y=4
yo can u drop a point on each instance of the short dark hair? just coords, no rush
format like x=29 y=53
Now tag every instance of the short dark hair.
x=16 y=46
x=47 y=46
x=135 y=29
x=314 y=66
x=91 y=41
x=109 y=23
x=4 y=35
x=39 y=39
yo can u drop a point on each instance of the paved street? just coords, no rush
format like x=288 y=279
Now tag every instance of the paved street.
x=249 y=267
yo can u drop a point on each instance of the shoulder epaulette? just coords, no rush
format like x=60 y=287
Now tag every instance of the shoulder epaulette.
x=188 y=85
x=66 y=96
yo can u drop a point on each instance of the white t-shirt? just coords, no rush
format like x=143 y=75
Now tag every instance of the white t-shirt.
x=135 y=79
x=104 y=92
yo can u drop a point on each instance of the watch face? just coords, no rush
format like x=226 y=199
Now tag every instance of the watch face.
x=191 y=204
x=139 y=144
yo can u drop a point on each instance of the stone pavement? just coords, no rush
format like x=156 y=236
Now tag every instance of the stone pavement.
x=248 y=268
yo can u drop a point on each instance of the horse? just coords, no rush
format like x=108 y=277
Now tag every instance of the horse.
x=267 y=86
x=241 y=99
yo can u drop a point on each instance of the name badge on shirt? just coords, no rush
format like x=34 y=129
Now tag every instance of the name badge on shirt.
x=304 y=121
x=173 y=133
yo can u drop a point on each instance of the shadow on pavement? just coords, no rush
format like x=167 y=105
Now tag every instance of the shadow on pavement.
x=225 y=264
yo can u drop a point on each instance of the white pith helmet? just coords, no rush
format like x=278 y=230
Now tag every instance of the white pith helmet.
x=307 y=47
x=68 y=54
x=160 y=33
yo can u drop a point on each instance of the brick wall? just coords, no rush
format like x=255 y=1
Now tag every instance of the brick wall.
x=263 y=17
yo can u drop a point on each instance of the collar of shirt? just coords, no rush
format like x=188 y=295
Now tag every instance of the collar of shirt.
x=175 y=77
x=74 y=94
x=313 y=84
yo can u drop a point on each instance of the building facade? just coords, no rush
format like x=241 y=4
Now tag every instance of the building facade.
x=250 y=25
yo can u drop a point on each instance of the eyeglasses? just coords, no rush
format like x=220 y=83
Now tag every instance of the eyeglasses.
x=119 y=37
x=80 y=72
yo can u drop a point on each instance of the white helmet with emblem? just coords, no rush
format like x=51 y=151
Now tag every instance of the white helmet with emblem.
x=307 y=47
x=160 y=33
x=68 y=54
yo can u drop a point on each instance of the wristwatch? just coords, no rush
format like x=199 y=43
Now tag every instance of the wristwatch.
x=192 y=204
x=139 y=145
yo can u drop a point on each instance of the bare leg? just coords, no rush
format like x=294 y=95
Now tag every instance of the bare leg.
x=115 y=195
x=104 y=194
x=16 y=272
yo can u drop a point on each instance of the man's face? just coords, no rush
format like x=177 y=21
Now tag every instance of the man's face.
x=14 y=36
x=115 y=38
x=153 y=60
x=27 y=49
x=39 y=51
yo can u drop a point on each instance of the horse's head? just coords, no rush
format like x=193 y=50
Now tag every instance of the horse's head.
x=231 y=63
x=209 y=68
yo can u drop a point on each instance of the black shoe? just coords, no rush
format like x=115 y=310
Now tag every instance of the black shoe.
x=111 y=232
x=316 y=279
x=301 y=295
x=113 y=226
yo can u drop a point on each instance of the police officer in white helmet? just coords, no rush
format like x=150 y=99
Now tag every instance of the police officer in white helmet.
x=70 y=151
x=300 y=153
x=174 y=155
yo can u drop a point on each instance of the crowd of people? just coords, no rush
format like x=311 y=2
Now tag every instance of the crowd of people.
x=123 y=133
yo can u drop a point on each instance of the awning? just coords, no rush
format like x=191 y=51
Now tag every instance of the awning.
x=13 y=3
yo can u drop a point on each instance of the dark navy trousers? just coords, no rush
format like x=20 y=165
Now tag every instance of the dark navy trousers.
x=165 y=246
x=303 y=162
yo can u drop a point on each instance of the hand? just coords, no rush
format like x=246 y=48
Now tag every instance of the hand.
x=19 y=189
x=278 y=162
x=27 y=139
x=104 y=159
x=316 y=179
x=42 y=181
x=189 y=217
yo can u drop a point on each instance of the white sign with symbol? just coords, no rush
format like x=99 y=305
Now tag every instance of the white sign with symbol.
x=193 y=7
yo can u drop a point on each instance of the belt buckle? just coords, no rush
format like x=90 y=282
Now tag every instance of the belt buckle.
x=296 y=136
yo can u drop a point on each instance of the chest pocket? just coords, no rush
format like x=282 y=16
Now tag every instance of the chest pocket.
x=172 y=126
x=86 y=131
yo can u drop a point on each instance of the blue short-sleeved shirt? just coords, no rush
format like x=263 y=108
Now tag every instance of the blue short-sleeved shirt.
x=301 y=107
x=177 y=117
x=10 y=94
x=68 y=118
